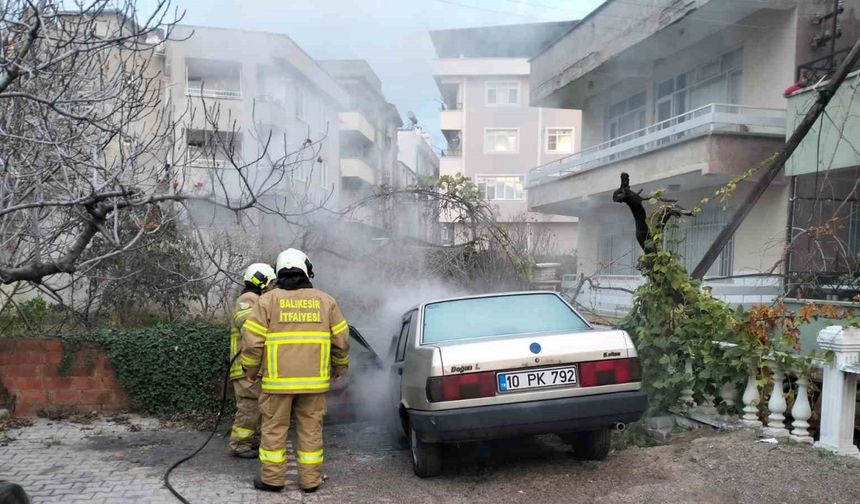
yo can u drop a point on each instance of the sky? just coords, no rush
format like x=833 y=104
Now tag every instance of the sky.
x=392 y=35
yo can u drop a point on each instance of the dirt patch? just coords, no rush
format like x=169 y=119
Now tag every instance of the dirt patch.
x=147 y=449
x=61 y=414
x=195 y=420
x=14 y=422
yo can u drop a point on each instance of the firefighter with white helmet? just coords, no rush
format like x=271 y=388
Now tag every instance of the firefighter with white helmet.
x=296 y=338
x=245 y=434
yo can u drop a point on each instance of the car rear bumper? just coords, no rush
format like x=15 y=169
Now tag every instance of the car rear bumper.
x=537 y=417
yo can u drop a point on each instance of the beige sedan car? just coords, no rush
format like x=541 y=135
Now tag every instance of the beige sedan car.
x=504 y=365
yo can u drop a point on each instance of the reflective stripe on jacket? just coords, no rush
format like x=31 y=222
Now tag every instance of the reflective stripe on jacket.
x=295 y=337
x=243 y=308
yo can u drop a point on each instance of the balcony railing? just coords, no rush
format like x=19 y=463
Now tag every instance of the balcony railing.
x=203 y=162
x=820 y=69
x=206 y=92
x=269 y=98
x=699 y=122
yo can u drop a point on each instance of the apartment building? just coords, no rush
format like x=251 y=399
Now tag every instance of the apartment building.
x=254 y=98
x=419 y=164
x=684 y=97
x=493 y=136
x=823 y=258
x=368 y=142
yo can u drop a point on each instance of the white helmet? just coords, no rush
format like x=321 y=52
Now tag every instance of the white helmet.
x=259 y=274
x=295 y=258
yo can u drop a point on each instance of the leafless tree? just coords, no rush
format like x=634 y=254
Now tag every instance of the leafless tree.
x=89 y=142
x=487 y=254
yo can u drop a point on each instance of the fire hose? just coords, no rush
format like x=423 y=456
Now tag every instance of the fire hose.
x=353 y=333
x=209 y=438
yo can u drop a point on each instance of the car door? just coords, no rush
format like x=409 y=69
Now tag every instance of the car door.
x=396 y=377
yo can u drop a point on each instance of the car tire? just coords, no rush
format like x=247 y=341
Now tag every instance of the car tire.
x=590 y=445
x=426 y=457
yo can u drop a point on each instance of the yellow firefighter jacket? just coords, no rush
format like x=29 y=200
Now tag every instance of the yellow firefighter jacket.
x=294 y=337
x=246 y=301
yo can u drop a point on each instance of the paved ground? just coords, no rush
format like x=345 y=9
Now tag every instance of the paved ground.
x=105 y=462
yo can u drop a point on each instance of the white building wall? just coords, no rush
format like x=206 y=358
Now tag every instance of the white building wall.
x=264 y=107
x=477 y=116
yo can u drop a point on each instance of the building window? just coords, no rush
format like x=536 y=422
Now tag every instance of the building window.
x=500 y=188
x=207 y=148
x=672 y=97
x=719 y=80
x=692 y=237
x=213 y=78
x=324 y=174
x=501 y=141
x=300 y=102
x=559 y=139
x=101 y=29
x=447 y=231
x=323 y=119
x=617 y=250
x=626 y=116
x=503 y=93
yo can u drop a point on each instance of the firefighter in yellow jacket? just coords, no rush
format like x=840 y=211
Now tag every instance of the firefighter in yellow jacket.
x=245 y=434
x=296 y=338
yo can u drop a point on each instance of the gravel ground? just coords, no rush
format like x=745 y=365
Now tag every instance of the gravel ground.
x=697 y=467
x=61 y=461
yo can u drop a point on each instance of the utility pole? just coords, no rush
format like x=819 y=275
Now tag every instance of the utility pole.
x=776 y=164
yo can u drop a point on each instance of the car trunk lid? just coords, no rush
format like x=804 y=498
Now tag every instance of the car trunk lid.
x=533 y=350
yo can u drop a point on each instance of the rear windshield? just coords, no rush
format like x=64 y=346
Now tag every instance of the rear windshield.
x=498 y=316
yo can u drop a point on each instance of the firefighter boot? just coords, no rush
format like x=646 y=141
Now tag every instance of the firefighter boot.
x=260 y=485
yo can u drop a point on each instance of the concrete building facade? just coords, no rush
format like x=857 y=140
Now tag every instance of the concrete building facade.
x=368 y=142
x=253 y=98
x=493 y=136
x=687 y=98
x=419 y=164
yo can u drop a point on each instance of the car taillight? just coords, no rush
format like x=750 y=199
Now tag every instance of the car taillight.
x=461 y=386
x=609 y=372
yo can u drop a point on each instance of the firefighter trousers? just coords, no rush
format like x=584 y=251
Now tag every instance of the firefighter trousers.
x=309 y=410
x=245 y=434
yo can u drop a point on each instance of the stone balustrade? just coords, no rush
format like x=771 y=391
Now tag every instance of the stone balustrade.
x=838 y=396
x=839 y=390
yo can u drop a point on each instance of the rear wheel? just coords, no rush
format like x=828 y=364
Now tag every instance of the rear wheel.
x=590 y=445
x=426 y=457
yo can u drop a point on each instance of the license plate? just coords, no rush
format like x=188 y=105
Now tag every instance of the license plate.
x=539 y=378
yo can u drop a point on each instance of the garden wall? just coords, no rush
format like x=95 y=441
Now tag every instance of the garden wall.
x=33 y=382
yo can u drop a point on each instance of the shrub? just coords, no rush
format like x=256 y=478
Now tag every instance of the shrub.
x=675 y=321
x=165 y=368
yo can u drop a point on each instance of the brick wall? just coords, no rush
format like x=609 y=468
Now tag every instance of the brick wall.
x=29 y=373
